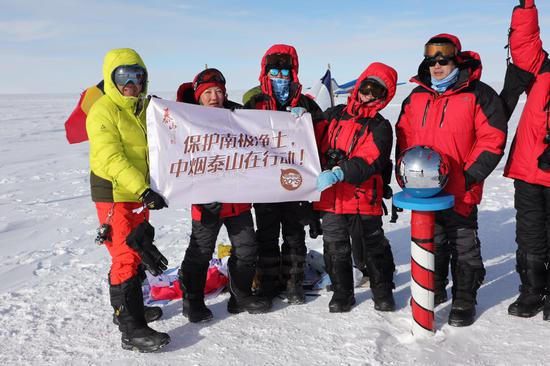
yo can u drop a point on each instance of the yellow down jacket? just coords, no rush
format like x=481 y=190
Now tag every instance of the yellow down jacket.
x=118 y=137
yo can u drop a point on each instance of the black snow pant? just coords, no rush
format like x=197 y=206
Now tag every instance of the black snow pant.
x=369 y=239
x=456 y=240
x=284 y=267
x=532 y=203
x=195 y=264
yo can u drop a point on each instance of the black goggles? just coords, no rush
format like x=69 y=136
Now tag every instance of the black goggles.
x=372 y=87
x=208 y=76
x=432 y=61
x=278 y=61
x=125 y=74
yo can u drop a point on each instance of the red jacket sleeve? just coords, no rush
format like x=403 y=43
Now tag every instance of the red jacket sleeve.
x=402 y=128
x=525 y=42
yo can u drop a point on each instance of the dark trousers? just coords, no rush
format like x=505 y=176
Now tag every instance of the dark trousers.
x=456 y=236
x=195 y=264
x=270 y=219
x=532 y=203
x=371 y=248
x=456 y=240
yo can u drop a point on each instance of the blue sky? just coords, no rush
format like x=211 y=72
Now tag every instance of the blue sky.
x=59 y=45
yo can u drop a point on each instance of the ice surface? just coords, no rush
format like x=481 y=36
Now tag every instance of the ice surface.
x=54 y=301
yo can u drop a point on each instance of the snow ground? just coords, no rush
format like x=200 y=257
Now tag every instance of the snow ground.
x=54 y=302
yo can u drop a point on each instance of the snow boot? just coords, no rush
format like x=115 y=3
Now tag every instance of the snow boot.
x=466 y=282
x=192 y=285
x=295 y=293
x=151 y=313
x=440 y=277
x=381 y=267
x=127 y=301
x=195 y=310
x=546 y=309
x=240 y=287
x=292 y=269
x=532 y=273
x=268 y=271
x=340 y=269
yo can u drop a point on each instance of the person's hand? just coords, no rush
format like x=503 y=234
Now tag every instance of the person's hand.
x=526 y=4
x=297 y=112
x=329 y=177
x=141 y=240
x=153 y=200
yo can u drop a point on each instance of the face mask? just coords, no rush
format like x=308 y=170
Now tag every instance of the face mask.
x=281 y=89
x=442 y=85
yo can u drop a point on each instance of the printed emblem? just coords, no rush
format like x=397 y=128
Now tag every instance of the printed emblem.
x=291 y=179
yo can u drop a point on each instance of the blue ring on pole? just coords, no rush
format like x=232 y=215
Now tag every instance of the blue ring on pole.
x=441 y=201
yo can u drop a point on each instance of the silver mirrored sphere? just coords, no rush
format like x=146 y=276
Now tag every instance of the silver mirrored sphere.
x=422 y=171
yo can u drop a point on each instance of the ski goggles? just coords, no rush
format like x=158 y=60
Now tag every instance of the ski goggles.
x=125 y=74
x=372 y=87
x=208 y=76
x=440 y=49
x=274 y=72
x=432 y=61
x=278 y=61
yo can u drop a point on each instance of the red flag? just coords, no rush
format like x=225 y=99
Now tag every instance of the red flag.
x=75 y=126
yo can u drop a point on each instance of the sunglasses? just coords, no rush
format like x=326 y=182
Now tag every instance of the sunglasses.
x=370 y=87
x=284 y=72
x=208 y=76
x=125 y=74
x=432 y=61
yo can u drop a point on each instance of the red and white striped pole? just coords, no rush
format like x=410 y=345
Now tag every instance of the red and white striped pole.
x=422 y=272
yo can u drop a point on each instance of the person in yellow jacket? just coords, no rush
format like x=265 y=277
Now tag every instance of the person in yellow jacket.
x=119 y=182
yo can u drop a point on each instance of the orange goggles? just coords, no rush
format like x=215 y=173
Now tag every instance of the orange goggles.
x=440 y=49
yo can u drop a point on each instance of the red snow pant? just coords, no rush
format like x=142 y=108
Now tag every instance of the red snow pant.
x=124 y=260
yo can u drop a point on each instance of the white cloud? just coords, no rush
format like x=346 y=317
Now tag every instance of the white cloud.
x=28 y=30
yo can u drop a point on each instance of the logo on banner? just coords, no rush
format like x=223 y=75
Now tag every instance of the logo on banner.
x=169 y=122
x=291 y=179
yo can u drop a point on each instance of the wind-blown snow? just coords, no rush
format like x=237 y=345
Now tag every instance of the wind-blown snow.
x=54 y=301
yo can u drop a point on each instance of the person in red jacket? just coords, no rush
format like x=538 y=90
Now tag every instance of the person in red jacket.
x=209 y=91
x=529 y=165
x=278 y=270
x=454 y=112
x=355 y=155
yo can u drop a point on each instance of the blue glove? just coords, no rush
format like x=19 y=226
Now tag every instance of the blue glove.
x=329 y=177
x=297 y=111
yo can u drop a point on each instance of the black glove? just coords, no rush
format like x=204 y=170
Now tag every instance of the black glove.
x=315 y=228
x=469 y=181
x=141 y=240
x=210 y=212
x=153 y=200
x=544 y=159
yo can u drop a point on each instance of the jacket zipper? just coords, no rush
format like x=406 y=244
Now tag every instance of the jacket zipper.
x=443 y=114
x=336 y=136
x=426 y=113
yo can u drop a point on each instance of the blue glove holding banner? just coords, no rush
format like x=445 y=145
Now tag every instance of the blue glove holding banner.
x=329 y=177
x=297 y=111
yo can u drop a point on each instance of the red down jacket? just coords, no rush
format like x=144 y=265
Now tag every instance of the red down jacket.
x=366 y=137
x=527 y=53
x=467 y=123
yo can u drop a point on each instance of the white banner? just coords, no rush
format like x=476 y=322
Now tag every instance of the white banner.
x=201 y=155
